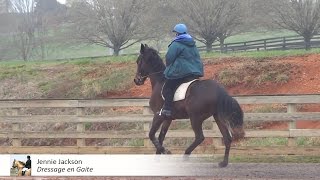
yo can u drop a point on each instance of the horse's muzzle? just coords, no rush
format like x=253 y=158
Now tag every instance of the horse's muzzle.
x=139 y=80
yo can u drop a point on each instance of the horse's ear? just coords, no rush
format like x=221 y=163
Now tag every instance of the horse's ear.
x=142 y=49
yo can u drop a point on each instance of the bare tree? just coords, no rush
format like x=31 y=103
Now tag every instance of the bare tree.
x=49 y=17
x=115 y=24
x=24 y=35
x=6 y=41
x=300 y=16
x=210 y=19
x=161 y=22
x=231 y=17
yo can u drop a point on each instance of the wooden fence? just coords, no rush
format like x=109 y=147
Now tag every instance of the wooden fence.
x=17 y=133
x=279 y=43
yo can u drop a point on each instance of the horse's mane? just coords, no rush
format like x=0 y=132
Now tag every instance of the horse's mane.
x=22 y=163
x=156 y=59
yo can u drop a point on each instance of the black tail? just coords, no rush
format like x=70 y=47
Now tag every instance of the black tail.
x=230 y=112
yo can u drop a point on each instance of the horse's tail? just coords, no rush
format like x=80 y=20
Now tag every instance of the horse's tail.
x=230 y=112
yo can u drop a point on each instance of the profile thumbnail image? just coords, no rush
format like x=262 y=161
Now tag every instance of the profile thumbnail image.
x=21 y=165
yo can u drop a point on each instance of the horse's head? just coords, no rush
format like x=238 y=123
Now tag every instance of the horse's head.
x=148 y=62
x=142 y=66
x=18 y=164
x=14 y=164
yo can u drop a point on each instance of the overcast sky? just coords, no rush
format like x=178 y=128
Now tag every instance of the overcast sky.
x=62 y=1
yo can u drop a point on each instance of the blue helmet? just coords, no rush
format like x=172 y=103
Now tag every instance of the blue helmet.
x=180 y=28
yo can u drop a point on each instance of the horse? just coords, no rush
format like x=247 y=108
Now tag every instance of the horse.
x=20 y=165
x=204 y=98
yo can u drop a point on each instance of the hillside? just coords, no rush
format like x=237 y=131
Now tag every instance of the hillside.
x=105 y=79
x=245 y=76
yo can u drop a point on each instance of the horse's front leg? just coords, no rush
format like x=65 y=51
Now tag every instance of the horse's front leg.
x=20 y=172
x=156 y=123
x=164 y=129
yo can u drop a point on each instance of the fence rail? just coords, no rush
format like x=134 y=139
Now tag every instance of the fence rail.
x=280 y=43
x=16 y=118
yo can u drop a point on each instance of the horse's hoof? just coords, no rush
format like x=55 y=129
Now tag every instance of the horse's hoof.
x=223 y=164
x=166 y=151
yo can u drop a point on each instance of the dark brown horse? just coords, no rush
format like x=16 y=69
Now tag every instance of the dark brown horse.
x=204 y=98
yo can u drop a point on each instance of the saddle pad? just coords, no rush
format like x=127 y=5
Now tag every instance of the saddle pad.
x=181 y=91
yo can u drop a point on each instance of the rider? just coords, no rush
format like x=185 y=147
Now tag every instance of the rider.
x=27 y=166
x=183 y=63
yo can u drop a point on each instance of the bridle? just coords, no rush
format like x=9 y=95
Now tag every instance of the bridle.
x=152 y=74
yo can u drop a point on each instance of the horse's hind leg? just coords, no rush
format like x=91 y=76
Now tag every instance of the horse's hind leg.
x=199 y=137
x=156 y=123
x=164 y=129
x=227 y=139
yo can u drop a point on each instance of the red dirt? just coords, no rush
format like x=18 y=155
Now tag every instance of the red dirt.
x=304 y=79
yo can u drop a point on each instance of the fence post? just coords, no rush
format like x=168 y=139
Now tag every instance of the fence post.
x=291 y=108
x=284 y=43
x=80 y=127
x=265 y=44
x=15 y=128
x=146 y=127
x=245 y=46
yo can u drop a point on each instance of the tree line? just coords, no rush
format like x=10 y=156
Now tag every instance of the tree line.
x=118 y=24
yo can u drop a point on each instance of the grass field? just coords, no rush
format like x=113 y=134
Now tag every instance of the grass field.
x=262 y=34
x=69 y=50
x=272 y=159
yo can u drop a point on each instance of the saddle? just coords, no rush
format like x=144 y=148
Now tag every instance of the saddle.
x=180 y=93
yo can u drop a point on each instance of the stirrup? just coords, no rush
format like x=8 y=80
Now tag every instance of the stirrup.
x=165 y=113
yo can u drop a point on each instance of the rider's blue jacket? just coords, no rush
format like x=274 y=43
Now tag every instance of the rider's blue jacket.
x=182 y=58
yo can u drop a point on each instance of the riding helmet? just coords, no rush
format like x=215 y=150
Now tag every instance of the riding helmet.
x=180 y=28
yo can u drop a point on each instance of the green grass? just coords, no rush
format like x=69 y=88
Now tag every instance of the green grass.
x=262 y=159
x=117 y=79
x=275 y=141
x=132 y=58
x=308 y=141
x=229 y=77
x=265 y=142
x=136 y=142
x=71 y=50
x=255 y=73
x=262 y=34
x=269 y=108
x=261 y=54
x=21 y=71
x=69 y=78
x=272 y=159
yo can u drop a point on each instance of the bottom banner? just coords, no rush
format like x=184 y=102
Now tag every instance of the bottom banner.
x=5 y=165
x=111 y=165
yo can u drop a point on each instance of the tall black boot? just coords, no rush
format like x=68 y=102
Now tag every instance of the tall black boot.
x=165 y=112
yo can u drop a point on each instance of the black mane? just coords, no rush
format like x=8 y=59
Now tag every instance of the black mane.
x=157 y=62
